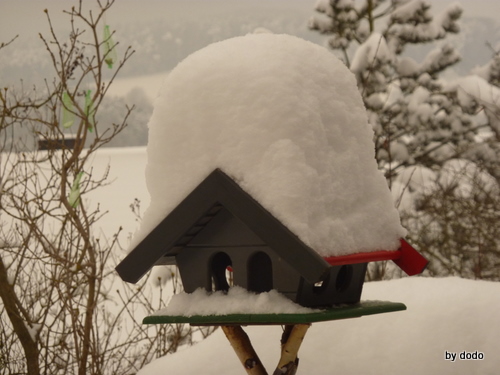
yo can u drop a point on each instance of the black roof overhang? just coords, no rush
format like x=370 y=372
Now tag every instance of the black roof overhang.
x=219 y=189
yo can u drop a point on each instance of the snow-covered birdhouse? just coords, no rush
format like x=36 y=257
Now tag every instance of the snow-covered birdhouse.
x=261 y=161
x=219 y=226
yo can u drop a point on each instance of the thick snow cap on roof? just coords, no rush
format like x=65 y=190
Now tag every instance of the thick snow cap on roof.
x=283 y=117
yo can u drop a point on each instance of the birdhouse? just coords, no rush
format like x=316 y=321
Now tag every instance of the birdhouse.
x=219 y=228
x=262 y=175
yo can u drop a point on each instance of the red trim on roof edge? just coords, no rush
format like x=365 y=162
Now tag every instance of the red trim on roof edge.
x=406 y=257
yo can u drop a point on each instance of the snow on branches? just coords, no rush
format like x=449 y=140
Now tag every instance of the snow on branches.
x=420 y=120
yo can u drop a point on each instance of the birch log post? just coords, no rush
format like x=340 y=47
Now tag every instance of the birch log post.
x=291 y=340
x=244 y=350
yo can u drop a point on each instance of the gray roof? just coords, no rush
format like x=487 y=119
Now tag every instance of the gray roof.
x=195 y=212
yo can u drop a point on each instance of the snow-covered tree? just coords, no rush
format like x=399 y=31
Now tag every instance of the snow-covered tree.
x=491 y=70
x=481 y=92
x=419 y=119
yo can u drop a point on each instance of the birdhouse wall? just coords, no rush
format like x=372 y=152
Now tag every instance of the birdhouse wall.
x=342 y=284
x=255 y=268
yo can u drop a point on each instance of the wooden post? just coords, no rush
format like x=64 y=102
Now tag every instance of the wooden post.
x=291 y=340
x=243 y=348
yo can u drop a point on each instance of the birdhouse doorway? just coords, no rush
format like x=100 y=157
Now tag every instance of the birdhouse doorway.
x=221 y=272
x=260 y=273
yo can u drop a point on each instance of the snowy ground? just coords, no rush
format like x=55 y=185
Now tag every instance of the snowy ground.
x=127 y=183
x=444 y=315
x=451 y=314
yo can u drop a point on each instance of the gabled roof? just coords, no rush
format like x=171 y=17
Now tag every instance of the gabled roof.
x=192 y=215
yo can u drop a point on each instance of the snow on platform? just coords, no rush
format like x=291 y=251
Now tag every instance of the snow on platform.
x=236 y=301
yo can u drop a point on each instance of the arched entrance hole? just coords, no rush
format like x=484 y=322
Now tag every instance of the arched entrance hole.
x=218 y=269
x=260 y=273
x=344 y=278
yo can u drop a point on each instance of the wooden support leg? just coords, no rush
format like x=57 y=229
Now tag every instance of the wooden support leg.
x=243 y=347
x=291 y=340
x=290 y=343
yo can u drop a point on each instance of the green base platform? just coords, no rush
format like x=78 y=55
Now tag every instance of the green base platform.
x=342 y=312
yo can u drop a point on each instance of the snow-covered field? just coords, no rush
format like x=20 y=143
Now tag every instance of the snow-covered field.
x=444 y=315
x=127 y=183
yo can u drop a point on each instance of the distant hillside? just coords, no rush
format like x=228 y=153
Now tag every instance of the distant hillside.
x=160 y=44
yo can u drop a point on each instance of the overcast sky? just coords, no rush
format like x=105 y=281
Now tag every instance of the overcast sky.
x=26 y=16
x=193 y=24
